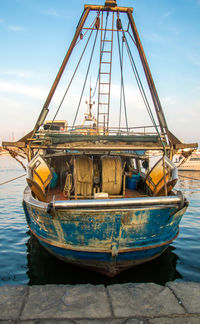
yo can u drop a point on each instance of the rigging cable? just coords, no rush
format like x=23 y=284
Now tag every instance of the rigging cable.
x=72 y=76
x=83 y=35
x=132 y=37
x=2 y=183
x=140 y=86
x=139 y=83
x=85 y=79
x=120 y=109
x=122 y=79
x=183 y=176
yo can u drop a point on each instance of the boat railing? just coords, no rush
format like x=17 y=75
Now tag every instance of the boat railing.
x=93 y=130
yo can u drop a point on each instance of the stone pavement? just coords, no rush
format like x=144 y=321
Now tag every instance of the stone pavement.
x=143 y=303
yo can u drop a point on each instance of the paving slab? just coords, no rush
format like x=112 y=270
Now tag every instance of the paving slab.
x=188 y=293
x=135 y=321
x=28 y=322
x=49 y=321
x=101 y=321
x=57 y=302
x=168 y=320
x=11 y=301
x=149 y=299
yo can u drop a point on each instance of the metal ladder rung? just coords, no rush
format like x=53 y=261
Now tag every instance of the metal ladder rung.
x=104 y=87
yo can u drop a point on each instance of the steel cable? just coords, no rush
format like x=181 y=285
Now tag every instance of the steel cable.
x=122 y=80
x=140 y=86
x=85 y=79
x=72 y=77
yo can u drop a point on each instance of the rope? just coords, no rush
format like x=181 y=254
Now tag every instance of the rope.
x=122 y=79
x=139 y=83
x=85 y=79
x=140 y=86
x=132 y=38
x=183 y=176
x=72 y=77
x=120 y=109
x=14 y=155
x=2 y=183
x=83 y=35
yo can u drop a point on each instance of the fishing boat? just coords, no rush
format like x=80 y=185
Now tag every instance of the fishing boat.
x=91 y=198
x=187 y=160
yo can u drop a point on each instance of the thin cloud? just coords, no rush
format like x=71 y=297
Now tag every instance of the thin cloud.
x=15 y=28
x=51 y=12
x=194 y=59
x=1 y=21
x=18 y=73
x=22 y=89
x=169 y=101
x=167 y=14
x=154 y=37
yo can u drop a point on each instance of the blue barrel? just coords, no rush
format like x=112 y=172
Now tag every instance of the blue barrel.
x=53 y=182
x=132 y=182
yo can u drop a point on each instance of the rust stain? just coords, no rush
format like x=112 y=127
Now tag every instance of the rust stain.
x=135 y=218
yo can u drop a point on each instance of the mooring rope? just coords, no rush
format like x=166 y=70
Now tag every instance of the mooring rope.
x=183 y=176
x=2 y=183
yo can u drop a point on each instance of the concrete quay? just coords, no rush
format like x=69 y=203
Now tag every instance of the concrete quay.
x=131 y=303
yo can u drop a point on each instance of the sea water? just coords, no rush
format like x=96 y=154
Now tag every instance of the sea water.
x=24 y=261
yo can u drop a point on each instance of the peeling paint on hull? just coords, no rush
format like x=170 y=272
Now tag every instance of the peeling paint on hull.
x=105 y=240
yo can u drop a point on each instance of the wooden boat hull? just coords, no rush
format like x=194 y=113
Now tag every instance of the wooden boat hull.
x=108 y=240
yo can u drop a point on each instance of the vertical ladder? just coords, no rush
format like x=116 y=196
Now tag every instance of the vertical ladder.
x=105 y=67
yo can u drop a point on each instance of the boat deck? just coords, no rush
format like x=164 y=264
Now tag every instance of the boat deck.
x=57 y=194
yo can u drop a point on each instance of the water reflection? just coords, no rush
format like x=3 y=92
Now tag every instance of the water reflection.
x=192 y=175
x=43 y=268
x=189 y=179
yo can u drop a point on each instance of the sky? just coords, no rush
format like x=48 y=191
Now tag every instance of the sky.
x=35 y=35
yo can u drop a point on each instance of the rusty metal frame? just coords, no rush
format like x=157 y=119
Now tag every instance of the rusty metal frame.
x=115 y=9
x=108 y=8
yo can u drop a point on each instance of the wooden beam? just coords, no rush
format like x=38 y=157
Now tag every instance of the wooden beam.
x=107 y=8
x=14 y=144
x=96 y=148
x=184 y=146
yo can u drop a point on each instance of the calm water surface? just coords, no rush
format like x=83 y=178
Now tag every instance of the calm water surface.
x=24 y=261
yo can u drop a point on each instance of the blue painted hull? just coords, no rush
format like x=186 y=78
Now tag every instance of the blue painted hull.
x=106 y=240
